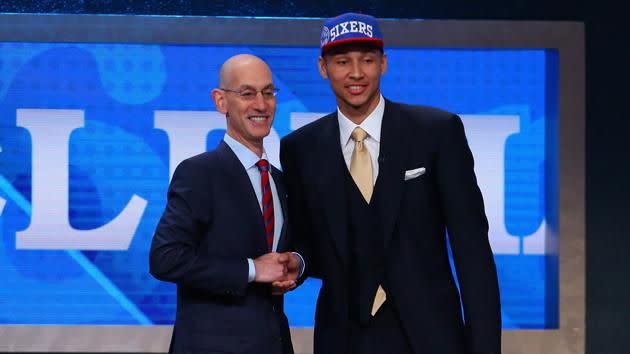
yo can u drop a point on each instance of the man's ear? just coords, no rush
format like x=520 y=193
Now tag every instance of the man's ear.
x=218 y=96
x=383 y=64
x=321 y=64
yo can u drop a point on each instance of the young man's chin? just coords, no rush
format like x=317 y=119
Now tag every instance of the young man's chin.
x=358 y=103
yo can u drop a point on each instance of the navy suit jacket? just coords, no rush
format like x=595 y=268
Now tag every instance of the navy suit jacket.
x=415 y=215
x=211 y=225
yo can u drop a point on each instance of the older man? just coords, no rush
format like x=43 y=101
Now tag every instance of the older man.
x=222 y=232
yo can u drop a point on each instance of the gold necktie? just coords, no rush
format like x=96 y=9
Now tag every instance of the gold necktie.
x=361 y=172
x=361 y=164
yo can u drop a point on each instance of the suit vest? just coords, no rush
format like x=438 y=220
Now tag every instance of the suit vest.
x=365 y=252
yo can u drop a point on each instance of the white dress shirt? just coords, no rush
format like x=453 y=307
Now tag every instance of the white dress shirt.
x=372 y=126
x=248 y=159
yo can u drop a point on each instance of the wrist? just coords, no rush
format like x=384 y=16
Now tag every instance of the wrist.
x=251 y=276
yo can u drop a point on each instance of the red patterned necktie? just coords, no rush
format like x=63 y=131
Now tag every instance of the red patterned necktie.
x=267 y=201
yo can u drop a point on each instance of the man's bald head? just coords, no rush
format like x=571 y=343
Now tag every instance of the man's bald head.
x=247 y=97
x=234 y=65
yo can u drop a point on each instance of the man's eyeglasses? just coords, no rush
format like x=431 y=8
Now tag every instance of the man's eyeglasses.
x=249 y=94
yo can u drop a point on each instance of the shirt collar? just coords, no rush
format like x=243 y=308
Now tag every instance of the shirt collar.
x=247 y=157
x=371 y=124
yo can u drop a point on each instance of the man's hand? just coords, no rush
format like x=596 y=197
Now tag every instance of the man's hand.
x=280 y=287
x=271 y=267
x=293 y=266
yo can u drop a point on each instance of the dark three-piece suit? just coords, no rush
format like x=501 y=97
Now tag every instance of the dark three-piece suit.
x=397 y=240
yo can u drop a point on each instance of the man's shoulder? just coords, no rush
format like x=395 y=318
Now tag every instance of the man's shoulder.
x=202 y=160
x=201 y=164
x=423 y=118
x=422 y=112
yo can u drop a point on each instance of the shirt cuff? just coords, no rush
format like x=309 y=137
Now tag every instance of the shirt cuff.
x=252 y=270
x=302 y=264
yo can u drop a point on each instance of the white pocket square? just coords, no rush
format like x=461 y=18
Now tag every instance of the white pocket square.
x=411 y=174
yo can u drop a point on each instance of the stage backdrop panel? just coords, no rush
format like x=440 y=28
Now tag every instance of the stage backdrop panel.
x=91 y=130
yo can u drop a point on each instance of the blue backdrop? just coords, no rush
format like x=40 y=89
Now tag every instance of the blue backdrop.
x=118 y=152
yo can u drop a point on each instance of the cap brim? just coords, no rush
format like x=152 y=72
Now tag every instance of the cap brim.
x=374 y=42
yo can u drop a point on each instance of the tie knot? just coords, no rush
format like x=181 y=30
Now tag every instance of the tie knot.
x=358 y=134
x=263 y=165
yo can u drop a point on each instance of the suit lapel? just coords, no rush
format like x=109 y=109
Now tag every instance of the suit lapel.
x=282 y=196
x=243 y=191
x=330 y=177
x=390 y=182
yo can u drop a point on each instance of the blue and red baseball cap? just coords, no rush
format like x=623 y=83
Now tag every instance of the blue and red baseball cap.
x=350 y=28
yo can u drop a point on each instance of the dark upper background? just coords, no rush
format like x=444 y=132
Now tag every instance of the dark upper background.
x=607 y=125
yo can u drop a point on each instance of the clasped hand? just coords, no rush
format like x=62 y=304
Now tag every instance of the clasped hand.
x=279 y=269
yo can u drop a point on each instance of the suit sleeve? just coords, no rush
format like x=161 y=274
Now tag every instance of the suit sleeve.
x=468 y=234
x=299 y=222
x=177 y=251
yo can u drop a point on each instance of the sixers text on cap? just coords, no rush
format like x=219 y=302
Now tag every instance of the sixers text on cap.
x=350 y=27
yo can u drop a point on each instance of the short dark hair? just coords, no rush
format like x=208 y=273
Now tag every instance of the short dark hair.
x=351 y=46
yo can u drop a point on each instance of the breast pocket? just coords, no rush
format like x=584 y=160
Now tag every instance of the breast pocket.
x=414 y=173
x=416 y=195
